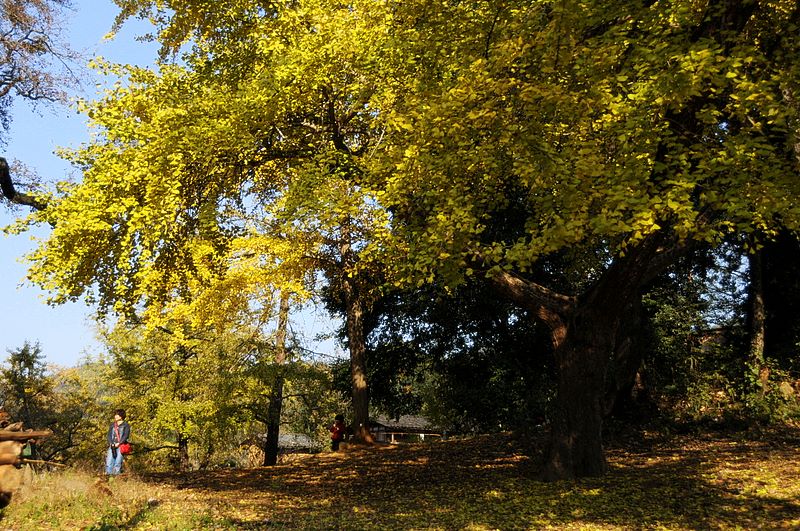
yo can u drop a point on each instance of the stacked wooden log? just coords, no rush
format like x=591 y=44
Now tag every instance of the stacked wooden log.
x=12 y=439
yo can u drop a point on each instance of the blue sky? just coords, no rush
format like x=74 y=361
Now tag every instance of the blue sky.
x=67 y=333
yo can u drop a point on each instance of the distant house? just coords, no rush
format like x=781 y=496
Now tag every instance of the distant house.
x=294 y=443
x=288 y=443
x=406 y=428
x=715 y=338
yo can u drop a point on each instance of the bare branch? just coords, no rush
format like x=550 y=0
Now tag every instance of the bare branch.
x=10 y=193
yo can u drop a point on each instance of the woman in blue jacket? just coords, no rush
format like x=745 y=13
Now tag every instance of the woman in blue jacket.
x=118 y=433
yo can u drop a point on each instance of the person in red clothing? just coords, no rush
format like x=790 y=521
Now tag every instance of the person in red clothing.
x=337 y=432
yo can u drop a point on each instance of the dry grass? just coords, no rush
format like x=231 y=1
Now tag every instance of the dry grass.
x=70 y=499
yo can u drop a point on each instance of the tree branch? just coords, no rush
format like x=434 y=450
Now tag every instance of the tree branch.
x=531 y=295
x=550 y=307
x=10 y=193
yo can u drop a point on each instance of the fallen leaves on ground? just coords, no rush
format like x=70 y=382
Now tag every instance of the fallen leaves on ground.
x=698 y=482
x=707 y=481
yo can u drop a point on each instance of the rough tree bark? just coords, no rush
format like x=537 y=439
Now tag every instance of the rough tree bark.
x=584 y=329
x=584 y=333
x=576 y=443
x=276 y=396
x=625 y=389
x=358 y=362
x=781 y=285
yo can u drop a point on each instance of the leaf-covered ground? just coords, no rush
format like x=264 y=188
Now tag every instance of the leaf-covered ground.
x=486 y=483
x=687 y=482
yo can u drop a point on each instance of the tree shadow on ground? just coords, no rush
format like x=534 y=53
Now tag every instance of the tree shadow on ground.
x=132 y=523
x=486 y=482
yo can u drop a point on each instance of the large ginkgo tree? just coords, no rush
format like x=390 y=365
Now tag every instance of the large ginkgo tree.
x=438 y=141
x=632 y=130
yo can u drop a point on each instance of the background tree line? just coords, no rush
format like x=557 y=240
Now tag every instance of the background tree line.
x=455 y=359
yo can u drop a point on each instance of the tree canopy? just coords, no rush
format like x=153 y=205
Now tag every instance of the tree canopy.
x=436 y=142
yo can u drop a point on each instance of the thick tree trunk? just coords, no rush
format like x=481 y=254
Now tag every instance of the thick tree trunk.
x=625 y=392
x=584 y=332
x=584 y=354
x=781 y=286
x=276 y=396
x=576 y=443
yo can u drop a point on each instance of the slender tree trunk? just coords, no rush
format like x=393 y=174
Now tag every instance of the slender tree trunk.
x=183 y=452
x=356 y=337
x=206 y=460
x=273 y=423
x=276 y=396
x=182 y=395
x=358 y=363
x=757 y=316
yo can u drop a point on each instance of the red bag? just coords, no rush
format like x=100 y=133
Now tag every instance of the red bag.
x=124 y=448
